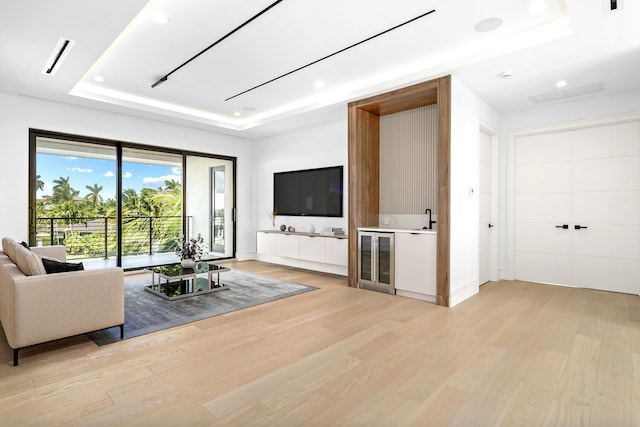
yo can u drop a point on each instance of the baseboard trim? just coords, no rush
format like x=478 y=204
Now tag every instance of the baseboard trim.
x=463 y=293
x=416 y=295
x=246 y=256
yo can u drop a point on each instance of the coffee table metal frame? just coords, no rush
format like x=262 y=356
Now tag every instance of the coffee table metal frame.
x=188 y=274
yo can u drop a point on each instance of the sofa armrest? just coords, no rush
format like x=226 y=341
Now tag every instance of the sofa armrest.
x=58 y=252
x=53 y=306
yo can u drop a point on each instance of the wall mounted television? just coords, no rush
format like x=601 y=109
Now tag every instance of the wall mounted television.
x=310 y=192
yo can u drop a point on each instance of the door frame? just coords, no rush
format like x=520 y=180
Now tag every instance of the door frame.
x=509 y=272
x=212 y=206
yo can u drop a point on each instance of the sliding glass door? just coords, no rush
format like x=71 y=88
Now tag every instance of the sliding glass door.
x=152 y=214
x=112 y=203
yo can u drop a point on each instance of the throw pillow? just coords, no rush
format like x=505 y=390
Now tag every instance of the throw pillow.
x=9 y=247
x=28 y=262
x=25 y=244
x=52 y=266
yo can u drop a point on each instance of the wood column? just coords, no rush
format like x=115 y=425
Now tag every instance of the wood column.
x=443 y=263
x=364 y=178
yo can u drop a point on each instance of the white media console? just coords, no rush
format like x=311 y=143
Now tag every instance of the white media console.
x=310 y=251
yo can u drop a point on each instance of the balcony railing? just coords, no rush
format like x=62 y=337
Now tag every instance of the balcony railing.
x=96 y=237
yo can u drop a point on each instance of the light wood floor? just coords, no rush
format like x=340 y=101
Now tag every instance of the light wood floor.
x=516 y=354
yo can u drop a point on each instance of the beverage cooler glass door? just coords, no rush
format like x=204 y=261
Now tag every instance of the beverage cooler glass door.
x=366 y=257
x=376 y=261
x=385 y=260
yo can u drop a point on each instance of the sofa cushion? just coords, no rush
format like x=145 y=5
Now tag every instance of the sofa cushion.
x=28 y=262
x=5 y=243
x=53 y=266
x=9 y=247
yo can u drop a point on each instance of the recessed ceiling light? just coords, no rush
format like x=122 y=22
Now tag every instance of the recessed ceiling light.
x=505 y=75
x=561 y=83
x=237 y=113
x=248 y=108
x=537 y=6
x=487 y=25
x=99 y=79
x=160 y=18
x=319 y=84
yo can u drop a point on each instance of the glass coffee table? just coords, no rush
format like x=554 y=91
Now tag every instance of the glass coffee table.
x=172 y=281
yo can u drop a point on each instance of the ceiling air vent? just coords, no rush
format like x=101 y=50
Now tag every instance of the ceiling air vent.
x=59 y=53
x=568 y=93
x=610 y=6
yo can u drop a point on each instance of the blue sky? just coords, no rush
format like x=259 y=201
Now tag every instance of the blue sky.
x=87 y=171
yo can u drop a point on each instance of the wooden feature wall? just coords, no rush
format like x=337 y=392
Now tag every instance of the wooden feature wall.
x=364 y=166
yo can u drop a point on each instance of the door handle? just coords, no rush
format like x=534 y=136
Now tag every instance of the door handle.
x=578 y=227
x=491 y=226
x=563 y=226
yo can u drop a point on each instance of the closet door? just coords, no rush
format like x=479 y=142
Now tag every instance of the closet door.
x=606 y=208
x=577 y=207
x=543 y=208
x=486 y=226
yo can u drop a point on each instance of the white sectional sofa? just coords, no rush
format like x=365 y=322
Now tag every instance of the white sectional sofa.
x=36 y=307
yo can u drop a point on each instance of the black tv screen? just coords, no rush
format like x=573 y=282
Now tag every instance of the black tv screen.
x=310 y=192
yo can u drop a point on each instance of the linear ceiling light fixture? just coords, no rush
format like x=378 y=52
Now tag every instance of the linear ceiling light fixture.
x=333 y=54
x=265 y=10
x=59 y=53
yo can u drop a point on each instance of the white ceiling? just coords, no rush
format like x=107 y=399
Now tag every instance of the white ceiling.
x=579 y=41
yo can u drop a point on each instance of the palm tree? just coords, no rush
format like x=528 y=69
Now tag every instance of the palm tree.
x=172 y=185
x=94 y=196
x=62 y=190
x=130 y=202
x=39 y=183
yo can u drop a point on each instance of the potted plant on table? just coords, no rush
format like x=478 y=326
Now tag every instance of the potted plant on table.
x=190 y=250
x=272 y=216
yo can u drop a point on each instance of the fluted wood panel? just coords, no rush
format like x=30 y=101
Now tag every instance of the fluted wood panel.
x=408 y=161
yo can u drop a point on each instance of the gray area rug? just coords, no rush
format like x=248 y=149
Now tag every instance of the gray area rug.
x=145 y=313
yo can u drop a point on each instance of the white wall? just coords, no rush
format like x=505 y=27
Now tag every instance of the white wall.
x=18 y=114
x=467 y=113
x=545 y=115
x=318 y=146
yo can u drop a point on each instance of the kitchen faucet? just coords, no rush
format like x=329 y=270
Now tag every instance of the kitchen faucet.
x=431 y=222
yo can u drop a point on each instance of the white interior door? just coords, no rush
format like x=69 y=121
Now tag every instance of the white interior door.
x=486 y=225
x=606 y=208
x=577 y=207
x=543 y=208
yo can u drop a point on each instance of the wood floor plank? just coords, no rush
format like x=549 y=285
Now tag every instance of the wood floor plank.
x=576 y=387
x=529 y=406
x=518 y=353
x=562 y=333
x=438 y=410
x=490 y=404
x=613 y=404
x=545 y=369
x=476 y=369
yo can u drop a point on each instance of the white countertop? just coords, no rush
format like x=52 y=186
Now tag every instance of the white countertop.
x=397 y=230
